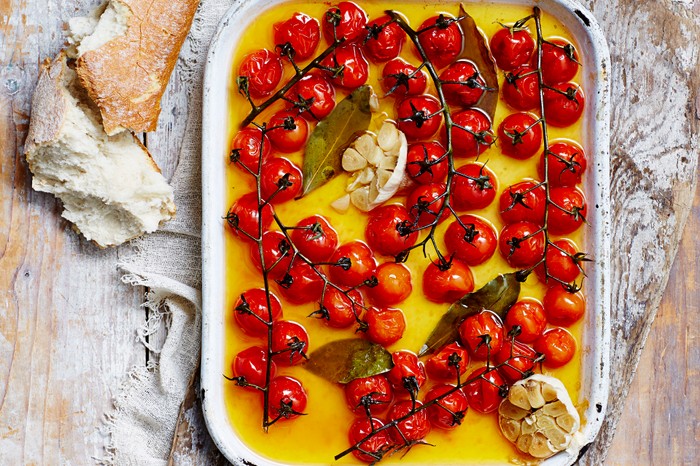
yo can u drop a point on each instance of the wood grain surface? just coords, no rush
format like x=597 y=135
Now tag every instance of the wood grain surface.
x=67 y=323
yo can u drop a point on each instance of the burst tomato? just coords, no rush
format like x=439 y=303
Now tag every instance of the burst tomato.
x=263 y=70
x=290 y=342
x=471 y=239
x=408 y=372
x=315 y=238
x=528 y=314
x=523 y=202
x=384 y=39
x=372 y=449
x=251 y=311
x=344 y=21
x=448 y=282
x=487 y=391
x=482 y=334
x=520 y=135
x=248 y=146
x=389 y=230
x=401 y=78
x=444 y=364
x=441 y=39
x=280 y=180
x=412 y=429
x=473 y=187
x=372 y=392
x=447 y=412
x=393 y=284
x=357 y=264
x=557 y=345
x=419 y=116
x=287 y=398
x=302 y=32
x=427 y=162
x=385 y=325
x=521 y=245
x=511 y=47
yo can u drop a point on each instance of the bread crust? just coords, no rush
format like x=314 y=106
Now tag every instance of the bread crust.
x=48 y=106
x=127 y=76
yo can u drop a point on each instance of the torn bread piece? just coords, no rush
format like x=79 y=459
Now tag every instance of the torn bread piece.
x=111 y=188
x=126 y=51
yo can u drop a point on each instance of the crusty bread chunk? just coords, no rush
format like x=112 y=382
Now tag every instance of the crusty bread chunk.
x=111 y=188
x=126 y=51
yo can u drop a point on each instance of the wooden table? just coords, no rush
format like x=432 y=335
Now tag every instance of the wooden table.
x=67 y=322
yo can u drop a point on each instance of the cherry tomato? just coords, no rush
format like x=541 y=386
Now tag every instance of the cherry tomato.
x=384 y=39
x=473 y=187
x=448 y=412
x=462 y=84
x=350 y=67
x=362 y=264
x=563 y=104
x=512 y=47
x=315 y=238
x=251 y=364
x=408 y=371
x=411 y=429
x=288 y=131
x=253 y=303
x=393 y=284
x=344 y=21
x=426 y=162
x=573 y=203
x=565 y=165
x=385 y=325
x=561 y=262
x=243 y=217
x=523 y=202
x=374 y=447
x=471 y=239
x=519 y=361
x=401 y=78
x=557 y=345
x=340 y=310
x=280 y=180
x=446 y=283
x=313 y=97
x=263 y=70
x=388 y=230
x=424 y=203
x=441 y=39
x=521 y=89
x=301 y=284
x=529 y=315
x=419 y=116
x=471 y=134
x=562 y=306
x=373 y=392
x=443 y=365
x=277 y=253
x=520 y=135
x=290 y=341
x=247 y=147
x=518 y=251
x=486 y=392
x=482 y=334
x=559 y=61
x=287 y=398
x=302 y=32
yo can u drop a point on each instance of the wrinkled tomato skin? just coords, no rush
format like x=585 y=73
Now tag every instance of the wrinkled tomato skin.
x=355 y=67
x=263 y=70
x=520 y=360
x=377 y=387
x=256 y=300
x=475 y=327
x=528 y=314
x=474 y=187
x=317 y=246
x=352 y=22
x=415 y=84
x=284 y=334
x=441 y=45
x=439 y=367
x=313 y=87
x=383 y=232
x=394 y=285
x=414 y=428
x=406 y=364
x=527 y=252
x=511 y=48
x=523 y=202
x=250 y=144
x=302 y=32
x=363 y=265
x=474 y=244
x=377 y=443
x=484 y=396
x=521 y=89
x=558 y=347
x=251 y=363
x=446 y=413
x=385 y=44
x=286 y=390
x=447 y=286
x=566 y=164
x=273 y=171
x=386 y=325
x=306 y=286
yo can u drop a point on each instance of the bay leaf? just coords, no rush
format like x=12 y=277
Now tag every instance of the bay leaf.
x=324 y=150
x=474 y=48
x=498 y=296
x=342 y=361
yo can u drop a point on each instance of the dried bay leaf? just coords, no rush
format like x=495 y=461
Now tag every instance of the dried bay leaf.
x=324 y=150
x=342 y=361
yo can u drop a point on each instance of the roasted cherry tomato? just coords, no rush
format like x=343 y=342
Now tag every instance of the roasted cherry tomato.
x=563 y=104
x=557 y=345
x=520 y=245
x=393 y=284
x=523 y=202
x=389 y=231
x=385 y=325
x=471 y=239
x=561 y=261
x=448 y=412
x=462 y=84
x=372 y=392
x=520 y=135
x=253 y=303
x=562 y=306
x=302 y=32
x=482 y=334
x=411 y=429
x=263 y=70
x=313 y=97
x=344 y=21
x=444 y=364
x=384 y=39
x=349 y=67
x=448 y=282
x=357 y=264
x=565 y=165
x=401 y=78
x=473 y=187
x=518 y=360
x=251 y=364
x=290 y=342
x=441 y=39
x=340 y=310
x=559 y=61
x=521 y=89
x=486 y=392
x=244 y=219
x=427 y=162
x=287 y=398
x=568 y=210
x=287 y=131
x=280 y=180
x=471 y=134
x=528 y=314
x=408 y=372
x=301 y=284
x=277 y=253
x=424 y=203
x=247 y=147
x=315 y=238
x=512 y=47
x=375 y=446
x=419 y=116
